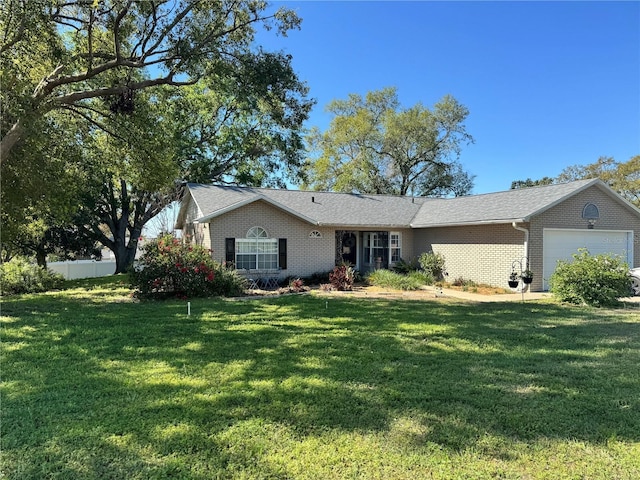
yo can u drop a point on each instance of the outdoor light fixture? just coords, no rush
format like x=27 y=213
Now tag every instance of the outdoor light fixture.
x=591 y=214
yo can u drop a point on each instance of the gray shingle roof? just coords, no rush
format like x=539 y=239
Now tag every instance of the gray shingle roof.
x=499 y=207
x=353 y=210
x=320 y=208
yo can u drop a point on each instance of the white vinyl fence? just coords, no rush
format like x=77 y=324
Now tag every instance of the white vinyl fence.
x=83 y=268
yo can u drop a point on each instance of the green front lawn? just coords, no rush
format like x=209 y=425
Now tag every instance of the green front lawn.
x=97 y=386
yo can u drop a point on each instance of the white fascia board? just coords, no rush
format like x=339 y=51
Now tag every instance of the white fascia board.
x=183 y=209
x=351 y=226
x=472 y=223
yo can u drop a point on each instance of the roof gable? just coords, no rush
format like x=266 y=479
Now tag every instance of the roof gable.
x=318 y=208
x=517 y=205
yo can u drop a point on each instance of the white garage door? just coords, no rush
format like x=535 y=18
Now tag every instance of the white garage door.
x=561 y=244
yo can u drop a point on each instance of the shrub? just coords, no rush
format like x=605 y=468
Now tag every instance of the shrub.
x=342 y=277
x=297 y=285
x=21 y=276
x=596 y=280
x=461 y=282
x=389 y=279
x=423 y=277
x=433 y=263
x=404 y=267
x=318 y=278
x=168 y=267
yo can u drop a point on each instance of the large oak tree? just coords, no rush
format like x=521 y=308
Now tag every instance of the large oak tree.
x=373 y=145
x=149 y=94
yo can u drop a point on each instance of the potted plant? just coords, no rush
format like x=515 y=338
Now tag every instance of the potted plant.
x=513 y=280
x=527 y=276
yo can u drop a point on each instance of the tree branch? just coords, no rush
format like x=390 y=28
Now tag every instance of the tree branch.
x=18 y=37
x=103 y=92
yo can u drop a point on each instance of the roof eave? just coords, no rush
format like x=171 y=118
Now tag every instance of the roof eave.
x=473 y=222
x=352 y=226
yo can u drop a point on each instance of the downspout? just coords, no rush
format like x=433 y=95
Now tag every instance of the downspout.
x=526 y=243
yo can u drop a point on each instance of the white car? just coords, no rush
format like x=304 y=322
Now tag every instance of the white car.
x=635 y=280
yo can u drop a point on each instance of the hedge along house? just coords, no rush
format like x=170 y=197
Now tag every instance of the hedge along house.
x=298 y=233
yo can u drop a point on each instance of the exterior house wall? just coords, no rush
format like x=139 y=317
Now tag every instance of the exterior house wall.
x=482 y=253
x=568 y=214
x=305 y=255
x=194 y=232
x=407 y=252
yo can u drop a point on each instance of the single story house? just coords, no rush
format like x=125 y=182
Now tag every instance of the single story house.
x=294 y=233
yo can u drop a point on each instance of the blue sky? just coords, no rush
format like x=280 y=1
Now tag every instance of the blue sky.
x=547 y=84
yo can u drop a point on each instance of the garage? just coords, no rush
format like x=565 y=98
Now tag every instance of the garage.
x=561 y=244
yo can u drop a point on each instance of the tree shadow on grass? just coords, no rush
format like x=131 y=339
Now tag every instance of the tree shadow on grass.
x=145 y=388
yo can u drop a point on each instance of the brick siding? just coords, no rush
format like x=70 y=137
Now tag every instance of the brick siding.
x=568 y=214
x=305 y=255
x=482 y=253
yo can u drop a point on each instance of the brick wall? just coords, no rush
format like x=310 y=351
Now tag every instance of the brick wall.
x=482 y=253
x=568 y=214
x=485 y=253
x=305 y=255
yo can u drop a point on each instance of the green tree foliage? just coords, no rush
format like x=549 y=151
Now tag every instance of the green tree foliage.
x=41 y=189
x=59 y=54
x=150 y=94
x=516 y=184
x=623 y=177
x=375 y=146
x=596 y=280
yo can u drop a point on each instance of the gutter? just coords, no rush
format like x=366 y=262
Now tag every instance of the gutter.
x=526 y=243
x=469 y=223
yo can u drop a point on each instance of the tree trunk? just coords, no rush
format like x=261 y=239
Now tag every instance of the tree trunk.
x=125 y=255
x=41 y=257
x=10 y=139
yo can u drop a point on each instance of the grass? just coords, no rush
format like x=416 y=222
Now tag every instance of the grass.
x=98 y=386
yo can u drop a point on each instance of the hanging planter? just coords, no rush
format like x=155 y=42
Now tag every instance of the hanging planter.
x=513 y=280
x=527 y=276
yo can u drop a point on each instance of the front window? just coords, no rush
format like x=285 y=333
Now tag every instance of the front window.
x=373 y=247
x=379 y=245
x=257 y=251
x=395 y=247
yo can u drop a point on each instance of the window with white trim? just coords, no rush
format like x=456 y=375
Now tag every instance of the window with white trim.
x=395 y=247
x=257 y=250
